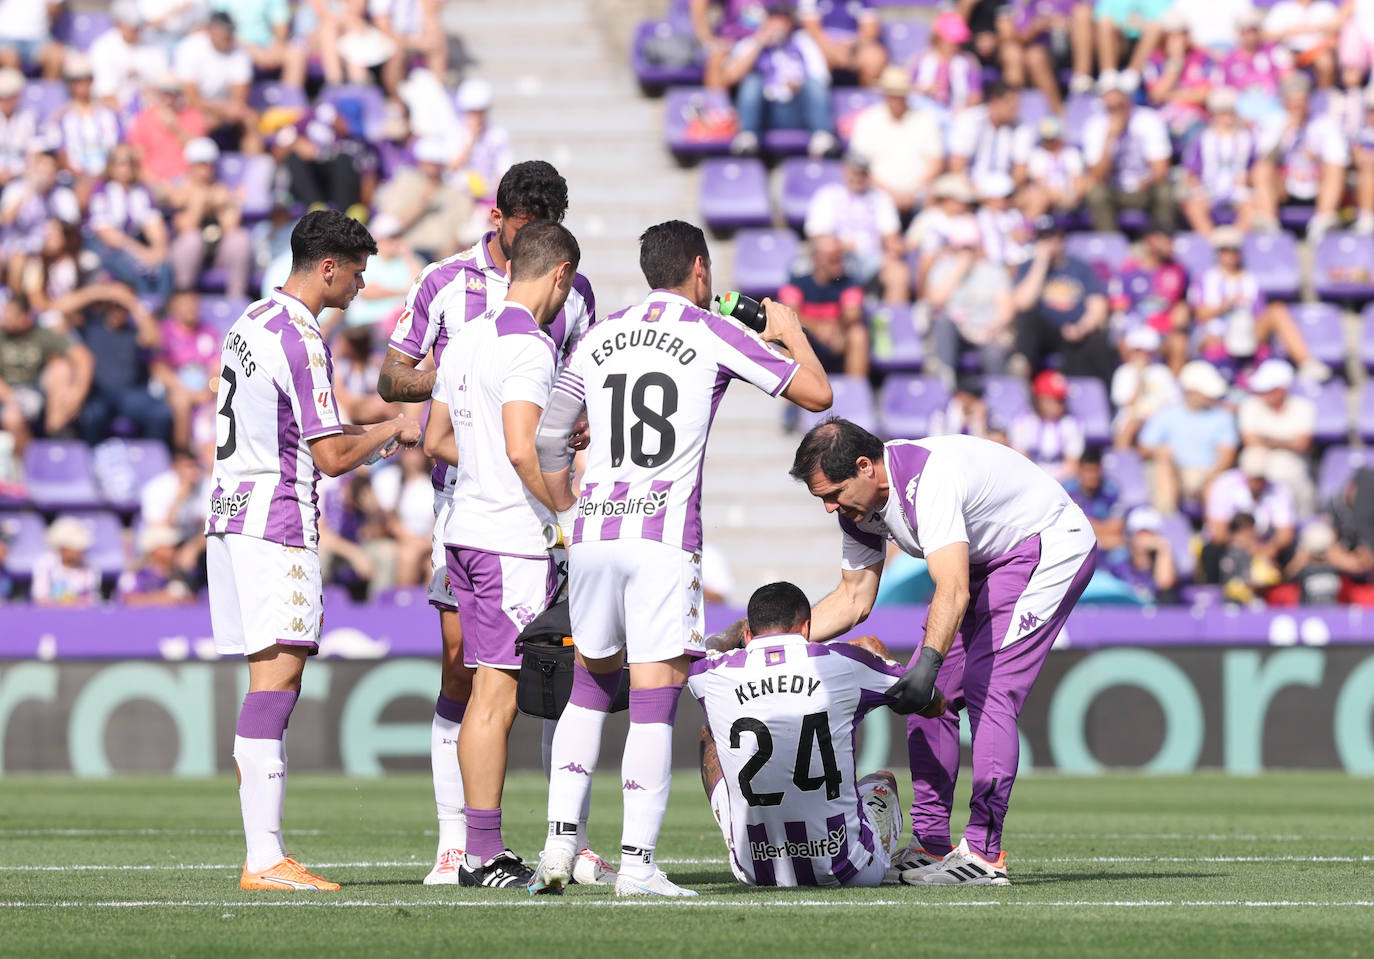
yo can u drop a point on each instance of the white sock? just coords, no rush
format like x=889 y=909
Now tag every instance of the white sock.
x=448 y=783
x=262 y=797
x=546 y=734
x=576 y=747
x=646 y=775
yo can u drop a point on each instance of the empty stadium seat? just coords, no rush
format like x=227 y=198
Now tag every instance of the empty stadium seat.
x=252 y=175
x=1179 y=532
x=734 y=193
x=44 y=97
x=28 y=541
x=801 y=178
x=785 y=142
x=144 y=459
x=1107 y=249
x=1126 y=470
x=853 y=401
x=58 y=473
x=1088 y=402
x=1320 y=324
x=684 y=105
x=220 y=312
x=1367 y=337
x=1273 y=259
x=1078 y=109
x=372 y=100
x=907 y=352
x=904 y=39
x=1341 y=269
x=763 y=260
x=1333 y=411
x=1339 y=463
x=906 y=402
x=107 y=554
x=1194 y=253
x=80 y=30
x=1034 y=107
x=1006 y=397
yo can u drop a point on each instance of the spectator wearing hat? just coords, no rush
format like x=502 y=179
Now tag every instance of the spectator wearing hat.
x=1147 y=563
x=329 y=163
x=43 y=375
x=1217 y=164
x=61 y=575
x=1272 y=418
x=186 y=362
x=1303 y=157
x=943 y=72
x=830 y=304
x=905 y=148
x=207 y=224
x=430 y=209
x=18 y=126
x=1255 y=67
x=123 y=337
x=413 y=27
x=1055 y=178
x=1128 y=152
x=1233 y=318
x=85 y=131
x=1098 y=496
x=485 y=153
x=123 y=60
x=1192 y=442
x=1006 y=232
x=1309 y=29
x=26 y=41
x=864 y=220
x=969 y=300
x=781 y=82
x=161 y=130
x=1061 y=307
x=849 y=34
x=1134 y=25
x=1141 y=385
x=154 y=579
x=1047 y=433
x=263 y=28
x=216 y=72
x=1246 y=490
x=1178 y=76
x=126 y=228
x=989 y=139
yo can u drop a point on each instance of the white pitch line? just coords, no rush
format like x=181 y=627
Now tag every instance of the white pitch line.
x=751 y=902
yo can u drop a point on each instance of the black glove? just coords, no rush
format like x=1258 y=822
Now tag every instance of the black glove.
x=915 y=690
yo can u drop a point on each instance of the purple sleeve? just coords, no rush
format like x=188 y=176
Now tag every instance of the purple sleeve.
x=311 y=372
x=416 y=331
x=744 y=356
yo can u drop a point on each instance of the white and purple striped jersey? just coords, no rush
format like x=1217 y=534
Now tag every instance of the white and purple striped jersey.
x=988 y=148
x=276 y=394
x=651 y=378
x=1221 y=161
x=120 y=207
x=461 y=288
x=783 y=713
x=1145 y=141
x=87 y=136
x=1057 y=170
x=1217 y=287
x=500 y=357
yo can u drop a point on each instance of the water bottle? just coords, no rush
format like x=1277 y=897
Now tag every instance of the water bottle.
x=745 y=309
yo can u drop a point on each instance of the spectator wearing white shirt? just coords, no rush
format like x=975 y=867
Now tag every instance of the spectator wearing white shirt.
x=85 y=131
x=989 y=139
x=864 y=219
x=904 y=146
x=1246 y=489
x=1355 y=49
x=1141 y=385
x=127 y=229
x=1006 y=232
x=264 y=32
x=1127 y=151
x=122 y=60
x=217 y=72
x=18 y=126
x=1309 y=29
x=62 y=576
x=26 y=41
x=1303 y=158
x=1054 y=173
x=1273 y=419
x=945 y=225
x=1217 y=165
x=413 y=26
x=1047 y=433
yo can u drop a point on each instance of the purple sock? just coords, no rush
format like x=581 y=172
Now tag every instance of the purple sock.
x=594 y=690
x=449 y=709
x=265 y=714
x=657 y=705
x=484 y=832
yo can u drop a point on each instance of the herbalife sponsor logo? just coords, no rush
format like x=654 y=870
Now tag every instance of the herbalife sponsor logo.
x=648 y=505
x=230 y=504
x=832 y=845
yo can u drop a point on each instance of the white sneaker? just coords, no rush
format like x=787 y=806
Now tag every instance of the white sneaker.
x=1313 y=370
x=745 y=143
x=656 y=885
x=589 y=869
x=964 y=867
x=1081 y=83
x=554 y=871
x=822 y=143
x=445 y=871
x=1319 y=226
x=878 y=792
x=1364 y=224
x=909 y=858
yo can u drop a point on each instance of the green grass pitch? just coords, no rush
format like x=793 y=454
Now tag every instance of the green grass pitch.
x=1279 y=865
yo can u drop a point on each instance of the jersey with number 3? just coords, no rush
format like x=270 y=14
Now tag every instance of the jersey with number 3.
x=782 y=712
x=276 y=394
x=651 y=378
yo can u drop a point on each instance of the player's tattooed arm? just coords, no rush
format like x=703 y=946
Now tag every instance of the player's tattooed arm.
x=731 y=637
x=711 y=773
x=400 y=381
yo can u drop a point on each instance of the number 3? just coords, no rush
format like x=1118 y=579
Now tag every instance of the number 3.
x=231 y=441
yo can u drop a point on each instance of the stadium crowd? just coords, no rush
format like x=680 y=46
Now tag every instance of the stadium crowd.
x=968 y=202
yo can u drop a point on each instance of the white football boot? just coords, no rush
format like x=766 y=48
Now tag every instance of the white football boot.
x=962 y=867
x=589 y=869
x=656 y=885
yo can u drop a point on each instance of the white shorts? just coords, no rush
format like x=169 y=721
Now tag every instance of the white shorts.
x=441 y=595
x=637 y=595
x=262 y=594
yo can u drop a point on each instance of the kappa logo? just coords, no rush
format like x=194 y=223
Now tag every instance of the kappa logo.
x=1028 y=622
x=296 y=573
x=298 y=625
x=631 y=785
x=317 y=360
x=297 y=599
x=697 y=639
x=575 y=768
x=692 y=612
x=476 y=284
x=696 y=584
x=696 y=557
x=911 y=489
x=293 y=550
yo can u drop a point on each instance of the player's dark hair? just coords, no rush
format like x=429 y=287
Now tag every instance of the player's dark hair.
x=834 y=446
x=667 y=252
x=539 y=247
x=533 y=189
x=777 y=608
x=328 y=234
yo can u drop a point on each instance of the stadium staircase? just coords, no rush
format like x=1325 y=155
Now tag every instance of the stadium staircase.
x=565 y=93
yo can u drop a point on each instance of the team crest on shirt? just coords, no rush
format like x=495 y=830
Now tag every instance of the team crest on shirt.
x=523 y=614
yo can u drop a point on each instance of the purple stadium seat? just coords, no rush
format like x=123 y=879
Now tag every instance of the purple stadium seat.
x=80 y=30
x=266 y=94
x=853 y=401
x=801 y=178
x=107 y=554
x=785 y=142
x=1006 y=396
x=1133 y=222
x=1128 y=472
x=1333 y=413
x=1320 y=324
x=58 y=473
x=904 y=39
x=28 y=541
x=734 y=193
x=144 y=458
x=1179 y=532
x=906 y=402
x=680 y=107
x=1088 y=401
x=845 y=105
x=1106 y=249
x=1367 y=337
x=655 y=76
x=1364 y=413
x=371 y=98
x=1294 y=217
x=44 y=97
x=1034 y=107
x=1339 y=463
x=763 y=260
x=1194 y=253
x=1078 y=109
x=220 y=312
x=253 y=175
x=1273 y=259
x=908 y=352
x=1341 y=270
